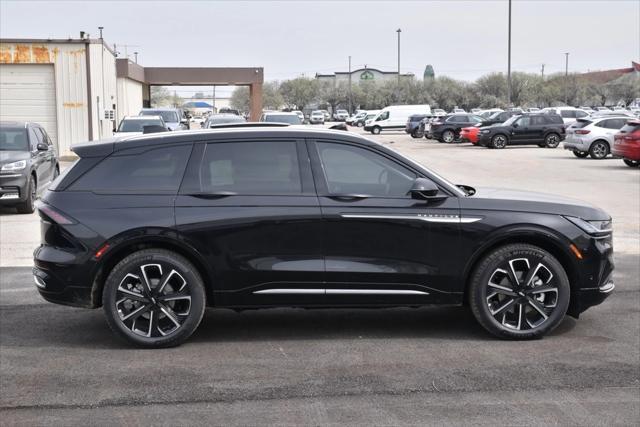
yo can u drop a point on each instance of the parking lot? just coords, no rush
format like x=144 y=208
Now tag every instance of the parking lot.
x=61 y=365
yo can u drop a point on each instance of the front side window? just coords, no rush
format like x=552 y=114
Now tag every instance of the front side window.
x=355 y=170
x=383 y=116
x=251 y=168
x=523 y=122
x=157 y=170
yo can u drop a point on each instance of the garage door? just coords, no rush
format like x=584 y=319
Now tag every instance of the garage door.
x=28 y=93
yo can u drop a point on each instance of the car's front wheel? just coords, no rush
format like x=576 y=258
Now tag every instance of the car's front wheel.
x=376 y=130
x=631 y=163
x=499 y=141
x=519 y=291
x=154 y=298
x=580 y=154
x=28 y=206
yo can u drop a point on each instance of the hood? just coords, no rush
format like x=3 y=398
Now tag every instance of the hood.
x=529 y=201
x=13 y=156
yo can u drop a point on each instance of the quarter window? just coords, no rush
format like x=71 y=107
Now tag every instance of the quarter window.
x=354 y=170
x=157 y=170
x=247 y=168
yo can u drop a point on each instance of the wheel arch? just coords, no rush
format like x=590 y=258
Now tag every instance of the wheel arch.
x=117 y=253
x=542 y=238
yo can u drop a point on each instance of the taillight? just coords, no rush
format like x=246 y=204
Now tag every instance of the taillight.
x=53 y=214
x=582 y=132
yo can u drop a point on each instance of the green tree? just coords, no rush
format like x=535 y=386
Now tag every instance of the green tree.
x=299 y=92
x=334 y=95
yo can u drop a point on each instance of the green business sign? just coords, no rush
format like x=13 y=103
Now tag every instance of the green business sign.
x=367 y=75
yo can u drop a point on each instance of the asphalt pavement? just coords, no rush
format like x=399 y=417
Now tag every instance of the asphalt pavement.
x=433 y=365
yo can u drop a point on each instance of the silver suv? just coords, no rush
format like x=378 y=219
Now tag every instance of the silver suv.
x=593 y=135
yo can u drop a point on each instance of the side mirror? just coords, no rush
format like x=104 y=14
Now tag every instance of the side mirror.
x=153 y=129
x=425 y=189
x=42 y=147
x=515 y=125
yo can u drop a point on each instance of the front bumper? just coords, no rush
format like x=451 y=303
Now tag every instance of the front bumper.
x=484 y=139
x=13 y=188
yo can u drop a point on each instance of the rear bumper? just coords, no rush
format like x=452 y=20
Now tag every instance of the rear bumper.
x=574 y=144
x=626 y=151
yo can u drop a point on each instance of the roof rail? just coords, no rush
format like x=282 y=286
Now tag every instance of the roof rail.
x=248 y=125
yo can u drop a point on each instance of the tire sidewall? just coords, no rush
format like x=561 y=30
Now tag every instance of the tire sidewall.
x=150 y=256
x=448 y=132
x=552 y=144
x=592 y=151
x=376 y=130
x=483 y=273
x=493 y=141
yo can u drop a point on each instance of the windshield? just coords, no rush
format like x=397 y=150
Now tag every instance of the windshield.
x=291 y=119
x=510 y=121
x=317 y=113
x=13 y=139
x=167 y=116
x=226 y=119
x=137 y=125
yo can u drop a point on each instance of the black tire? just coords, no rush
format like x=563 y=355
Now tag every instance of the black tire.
x=599 y=150
x=631 y=163
x=552 y=140
x=416 y=134
x=359 y=124
x=499 y=141
x=166 y=305
x=527 y=310
x=448 y=136
x=580 y=154
x=28 y=206
x=376 y=130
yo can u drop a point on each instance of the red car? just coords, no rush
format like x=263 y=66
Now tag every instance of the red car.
x=626 y=143
x=469 y=134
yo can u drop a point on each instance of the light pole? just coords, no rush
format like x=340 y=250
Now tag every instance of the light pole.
x=349 y=84
x=566 y=77
x=398 y=31
x=509 y=61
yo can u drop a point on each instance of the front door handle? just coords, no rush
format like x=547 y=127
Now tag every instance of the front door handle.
x=347 y=197
x=209 y=196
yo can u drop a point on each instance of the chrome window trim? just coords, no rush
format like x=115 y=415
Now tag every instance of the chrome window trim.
x=455 y=219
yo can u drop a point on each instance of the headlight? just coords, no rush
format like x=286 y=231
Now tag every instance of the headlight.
x=593 y=228
x=15 y=166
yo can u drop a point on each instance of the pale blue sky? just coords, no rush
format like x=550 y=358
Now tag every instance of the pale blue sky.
x=462 y=39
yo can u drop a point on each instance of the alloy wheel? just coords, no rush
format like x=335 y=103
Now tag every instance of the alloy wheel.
x=499 y=141
x=599 y=150
x=522 y=294
x=153 y=300
x=448 y=137
x=552 y=141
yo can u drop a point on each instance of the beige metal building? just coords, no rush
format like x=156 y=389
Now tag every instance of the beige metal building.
x=68 y=86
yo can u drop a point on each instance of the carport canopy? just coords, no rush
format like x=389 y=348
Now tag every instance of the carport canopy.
x=197 y=76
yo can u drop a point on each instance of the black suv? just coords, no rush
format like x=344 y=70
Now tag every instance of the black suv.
x=155 y=228
x=499 y=117
x=447 y=128
x=543 y=130
x=28 y=164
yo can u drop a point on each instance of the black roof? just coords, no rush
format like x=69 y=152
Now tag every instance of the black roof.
x=107 y=146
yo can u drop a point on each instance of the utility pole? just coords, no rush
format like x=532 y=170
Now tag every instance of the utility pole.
x=398 y=31
x=349 y=84
x=509 y=61
x=135 y=54
x=542 y=71
x=566 y=78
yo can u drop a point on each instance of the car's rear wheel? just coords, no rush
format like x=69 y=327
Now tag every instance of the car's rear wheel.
x=28 y=206
x=580 y=154
x=552 y=140
x=416 y=134
x=448 y=136
x=359 y=124
x=631 y=163
x=499 y=141
x=519 y=291
x=599 y=150
x=154 y=298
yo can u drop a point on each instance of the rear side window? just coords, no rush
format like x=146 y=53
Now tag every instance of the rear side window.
x=158 y=170
x=568 y=114
x=553 y=119
x=538 y=120
x=248 y=168
x=581 y=124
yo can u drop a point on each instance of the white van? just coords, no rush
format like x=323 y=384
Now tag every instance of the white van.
x=394 y=117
